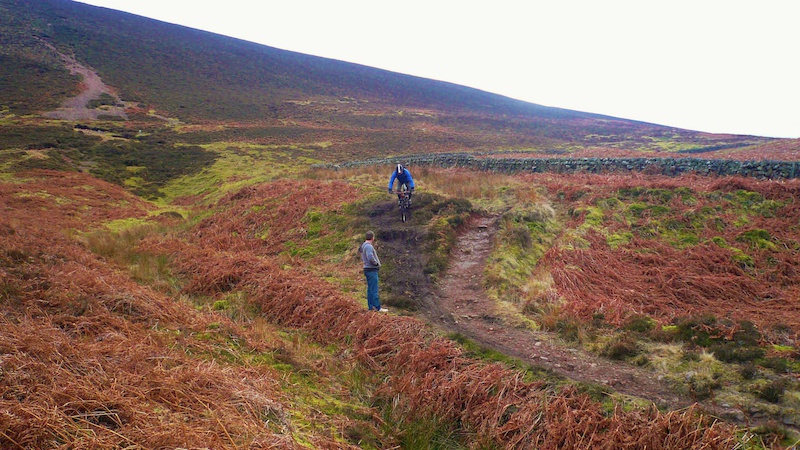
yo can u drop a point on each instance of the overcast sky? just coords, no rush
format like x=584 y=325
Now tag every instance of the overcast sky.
x=721 y=66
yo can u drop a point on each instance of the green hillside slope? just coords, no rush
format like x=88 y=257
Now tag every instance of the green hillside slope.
x=193 y=73
x=195 y=76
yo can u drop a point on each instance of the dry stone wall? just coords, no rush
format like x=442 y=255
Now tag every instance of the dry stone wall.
x=663 y=166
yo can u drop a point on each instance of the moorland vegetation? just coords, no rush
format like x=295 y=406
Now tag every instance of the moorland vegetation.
x=187 y=276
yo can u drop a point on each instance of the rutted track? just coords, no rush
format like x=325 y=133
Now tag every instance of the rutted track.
x=461 y=305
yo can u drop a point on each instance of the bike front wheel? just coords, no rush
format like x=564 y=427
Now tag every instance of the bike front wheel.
x=404 y=210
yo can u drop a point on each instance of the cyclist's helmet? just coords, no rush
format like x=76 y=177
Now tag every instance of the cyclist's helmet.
x=400 y=169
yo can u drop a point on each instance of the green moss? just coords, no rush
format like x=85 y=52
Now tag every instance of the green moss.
x=441 y=235
x=720 y=241
x=221 y=305
x=687 y=195
x=659 y=210
x=609 y=203
x=741 y=221
x=237 y=165
x=782 y=348
x=637 y=209
x=747 y=198
x=327 y=236
x=757 y=239
x=738 y=256
x=741 y=258
x=120 y=225
x=616 y=240
x=593 y=216
x=650 y=195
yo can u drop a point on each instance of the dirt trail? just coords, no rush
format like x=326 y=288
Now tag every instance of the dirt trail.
x=462 y=306
x=93 y=87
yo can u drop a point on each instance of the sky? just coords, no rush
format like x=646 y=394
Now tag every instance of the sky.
x=719 y=66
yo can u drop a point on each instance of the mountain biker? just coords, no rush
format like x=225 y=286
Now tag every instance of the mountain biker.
x=403 y=177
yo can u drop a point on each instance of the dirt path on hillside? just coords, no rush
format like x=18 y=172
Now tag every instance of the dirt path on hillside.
x=461 y=305
x=92 y=87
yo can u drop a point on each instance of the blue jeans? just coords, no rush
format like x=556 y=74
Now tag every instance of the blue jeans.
x=372 y=290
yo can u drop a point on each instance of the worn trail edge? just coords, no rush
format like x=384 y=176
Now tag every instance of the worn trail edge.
x=461 y=305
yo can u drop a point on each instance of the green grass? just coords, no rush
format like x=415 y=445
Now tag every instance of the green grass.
x=525 y=233
x=235 y=166
x=30 y=86
x=144 y=165
x=327 y=237
x=119 y=245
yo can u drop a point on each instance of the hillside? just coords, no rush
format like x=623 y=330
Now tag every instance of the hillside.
x=265 y=93
x=180 y=213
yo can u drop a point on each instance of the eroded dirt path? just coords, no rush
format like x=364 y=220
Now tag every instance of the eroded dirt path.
x=92 y=88
x=461 y=305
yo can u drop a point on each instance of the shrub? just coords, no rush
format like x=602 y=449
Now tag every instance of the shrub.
x=702 y=385
x=731 y=352
x=748 y=371
x=520 y=236
x=773 y=392
x=104 y=100
x=694 y=330
x=747 y=334
x=779 y=365
x=771 y=434
x=622 y=346
x=569 y=329
x=640 y=324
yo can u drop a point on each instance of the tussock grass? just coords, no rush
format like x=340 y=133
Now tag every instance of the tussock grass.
x=122 y=248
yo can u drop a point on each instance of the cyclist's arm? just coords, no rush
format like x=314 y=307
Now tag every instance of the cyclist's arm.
x=391 y=180
x=410 y=180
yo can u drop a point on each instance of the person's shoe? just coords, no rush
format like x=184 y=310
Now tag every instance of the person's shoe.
x=383 y=310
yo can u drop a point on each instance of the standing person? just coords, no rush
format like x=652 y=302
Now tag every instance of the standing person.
x=371 y=266
x=403 y=177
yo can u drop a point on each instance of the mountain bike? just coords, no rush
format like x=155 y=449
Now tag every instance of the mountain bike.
x=404 y=202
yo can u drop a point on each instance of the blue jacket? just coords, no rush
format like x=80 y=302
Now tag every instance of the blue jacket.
x=403 y=178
